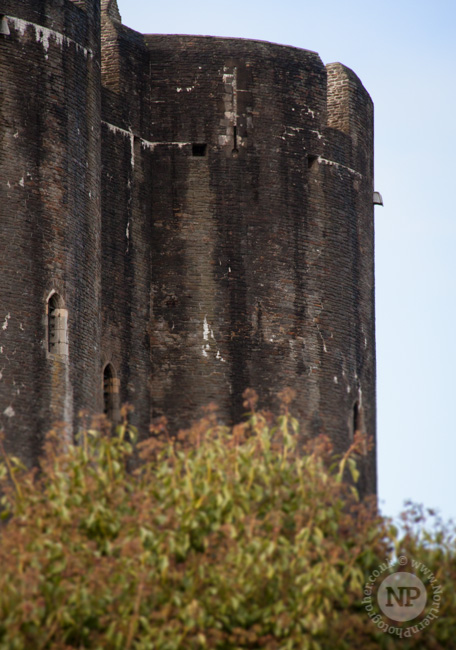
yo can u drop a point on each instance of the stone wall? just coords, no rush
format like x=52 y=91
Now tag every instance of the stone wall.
x=50 y=203
x=247 y=177
x=203 y=208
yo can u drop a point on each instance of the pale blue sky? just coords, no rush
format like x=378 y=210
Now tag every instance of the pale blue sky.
x=404 y=52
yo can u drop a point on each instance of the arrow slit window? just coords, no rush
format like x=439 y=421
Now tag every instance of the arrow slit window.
x=111 y=386
x=57 y=326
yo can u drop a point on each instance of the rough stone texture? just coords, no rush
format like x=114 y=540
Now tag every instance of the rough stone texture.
x=50 y=204
x=234 y=243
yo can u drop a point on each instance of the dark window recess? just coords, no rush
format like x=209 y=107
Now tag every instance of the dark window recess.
x=311 y=159
x=199 y=149
x=4 y=29
x=357 y=420
x=111 y=394
x=235 y=147
x=57 y=326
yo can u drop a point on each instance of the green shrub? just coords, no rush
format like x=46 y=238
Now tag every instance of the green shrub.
x=223 y=538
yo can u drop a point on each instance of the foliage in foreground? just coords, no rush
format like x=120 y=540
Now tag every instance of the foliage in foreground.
x=222 y=539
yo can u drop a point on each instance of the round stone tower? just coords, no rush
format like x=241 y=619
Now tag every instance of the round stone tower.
x=262 y=213
x=182 y=218
x=50 y=224
x=241 y=232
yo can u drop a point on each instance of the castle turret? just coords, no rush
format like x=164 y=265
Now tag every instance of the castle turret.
x=50 y=216
x=183 y=218
x=246 y=206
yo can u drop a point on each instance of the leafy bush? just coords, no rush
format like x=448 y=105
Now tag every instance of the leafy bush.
x=223 y=538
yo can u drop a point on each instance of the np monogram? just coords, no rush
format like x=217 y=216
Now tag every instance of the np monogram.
x=404 y=598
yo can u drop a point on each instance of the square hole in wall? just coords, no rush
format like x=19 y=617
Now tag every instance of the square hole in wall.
x=199 y=149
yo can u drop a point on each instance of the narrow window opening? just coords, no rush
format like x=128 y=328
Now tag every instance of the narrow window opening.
x=111 y=394
x=311 y=160
x=235 y=147
x=357 y=419
x=57 y=326
x=4 y=29
x=199 y=149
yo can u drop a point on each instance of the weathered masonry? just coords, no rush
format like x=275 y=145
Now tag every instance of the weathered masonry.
x=182 y=217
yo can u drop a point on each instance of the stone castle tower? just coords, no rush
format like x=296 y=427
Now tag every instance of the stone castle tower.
x=182 y=217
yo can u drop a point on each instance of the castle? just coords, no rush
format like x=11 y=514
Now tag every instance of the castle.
x=182 y=217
